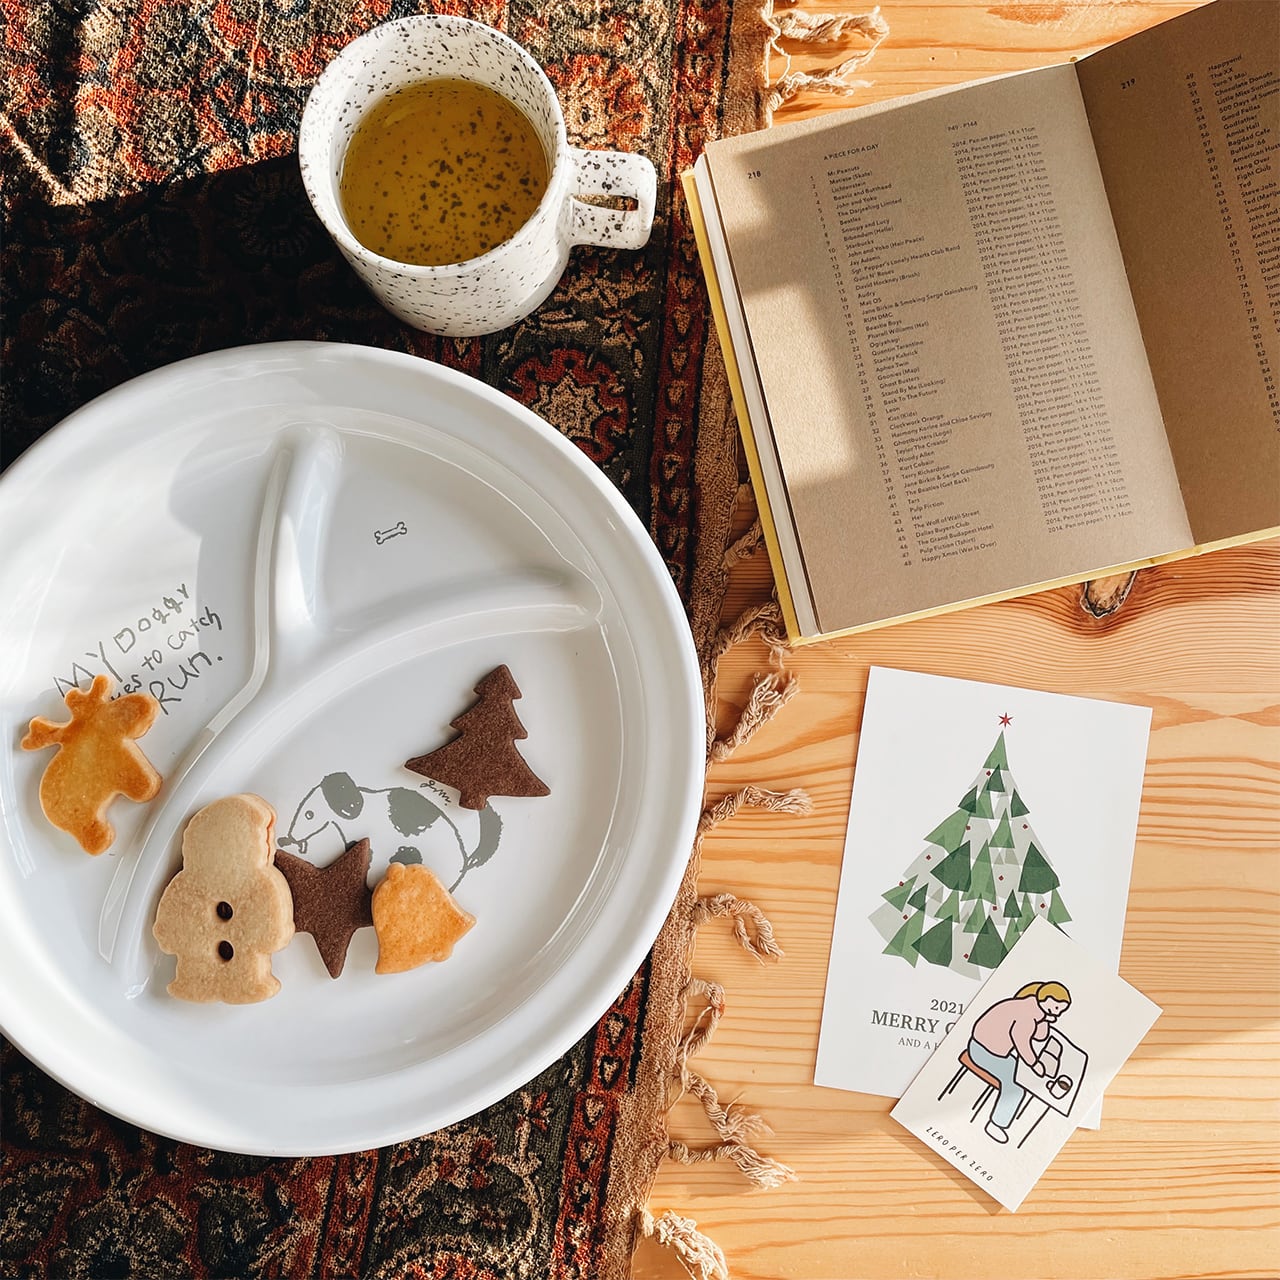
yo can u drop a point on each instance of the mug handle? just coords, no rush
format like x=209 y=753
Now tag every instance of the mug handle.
x=612 y=173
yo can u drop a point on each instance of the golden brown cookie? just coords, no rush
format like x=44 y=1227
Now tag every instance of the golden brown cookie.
x=416 y=919
x=95 y=761
x=228 y=908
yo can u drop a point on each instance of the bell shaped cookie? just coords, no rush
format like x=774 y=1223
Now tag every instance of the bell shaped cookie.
x=416 y=918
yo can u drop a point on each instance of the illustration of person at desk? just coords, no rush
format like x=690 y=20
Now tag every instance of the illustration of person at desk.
x=1016 y=1036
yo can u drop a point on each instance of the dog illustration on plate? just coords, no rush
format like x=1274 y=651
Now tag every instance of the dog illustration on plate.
x=401 y=823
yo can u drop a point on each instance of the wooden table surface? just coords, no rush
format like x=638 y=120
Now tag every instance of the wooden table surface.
x=1182 y=1180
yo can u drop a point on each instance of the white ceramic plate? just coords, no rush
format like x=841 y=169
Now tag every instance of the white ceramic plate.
x=311 y=553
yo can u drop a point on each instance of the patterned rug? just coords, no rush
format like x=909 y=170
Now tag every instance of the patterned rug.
x=152 y=211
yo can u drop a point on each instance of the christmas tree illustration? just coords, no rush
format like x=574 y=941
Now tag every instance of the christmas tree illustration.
x=483 y=760
x=980 y=880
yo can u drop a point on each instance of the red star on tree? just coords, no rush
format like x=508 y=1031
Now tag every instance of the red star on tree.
x=1006 y=719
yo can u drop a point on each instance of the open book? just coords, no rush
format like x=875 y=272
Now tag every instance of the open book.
x=997 y=338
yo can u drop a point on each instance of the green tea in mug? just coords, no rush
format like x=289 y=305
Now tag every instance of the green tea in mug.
x=441 y=172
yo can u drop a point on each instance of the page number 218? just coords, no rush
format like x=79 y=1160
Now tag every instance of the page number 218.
x=753 y=173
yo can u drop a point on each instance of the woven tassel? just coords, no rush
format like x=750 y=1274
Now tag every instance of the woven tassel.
x=750 y=796
x=735 y=1125
x=834 y=82
x=770 y=693
x=704 y=1025
x=743 y=546
x=698 y=1254
x=760 y=1171
x=760 y=942
x=764 y=620
x=827 y=28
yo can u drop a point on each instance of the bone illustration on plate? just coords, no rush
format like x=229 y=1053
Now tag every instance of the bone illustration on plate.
x=385 y=535
x=408 y=820
x=301 y=656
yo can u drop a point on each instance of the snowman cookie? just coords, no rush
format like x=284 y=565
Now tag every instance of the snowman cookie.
x=229 y=908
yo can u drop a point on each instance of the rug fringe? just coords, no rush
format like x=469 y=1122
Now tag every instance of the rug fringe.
x=759 y=942
x=826 y=28
x=759 y=1170
x=743 y=546
x=771 y=691
x=764 y=620
x=769 y=694
x=691 y=1247
x=735 y=1125
x=752 y=797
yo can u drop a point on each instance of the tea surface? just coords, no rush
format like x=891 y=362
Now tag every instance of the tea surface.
x=441 y=172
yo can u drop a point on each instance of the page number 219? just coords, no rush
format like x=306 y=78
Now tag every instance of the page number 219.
x=1128 y=84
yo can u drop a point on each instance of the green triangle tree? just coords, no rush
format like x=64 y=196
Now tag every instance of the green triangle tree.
x=982 y=881
x=935 y=945
x=977 y=803
x=950 y=910
x=898 y=897
x=1057 y=913
x=903 y=942
x=1028 y=913
x=1037 y=875
x=949 y=834
x=948 y=894
x=954 y=869
x=988 y=947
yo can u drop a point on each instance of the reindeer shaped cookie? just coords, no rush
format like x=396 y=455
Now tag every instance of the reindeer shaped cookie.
x=95 y=762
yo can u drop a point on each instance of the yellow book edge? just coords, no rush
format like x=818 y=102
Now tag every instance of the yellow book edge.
x=769 y=528
x=767 y=525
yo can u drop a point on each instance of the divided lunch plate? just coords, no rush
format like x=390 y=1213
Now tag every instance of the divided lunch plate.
x=311 y=553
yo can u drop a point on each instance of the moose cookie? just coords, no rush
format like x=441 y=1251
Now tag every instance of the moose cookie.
x=229 y=908
x=416 y=919
x=96 y=760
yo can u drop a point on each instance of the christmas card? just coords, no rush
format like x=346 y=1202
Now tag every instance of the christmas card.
x=1037 y=1045
x=977 y=810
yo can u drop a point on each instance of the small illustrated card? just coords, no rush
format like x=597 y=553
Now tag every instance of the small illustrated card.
x=1035 y=1048
x=977 y=810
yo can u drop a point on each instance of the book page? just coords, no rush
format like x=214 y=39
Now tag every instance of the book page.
x=955 y=380
x=1186 y=123
x=793 y=585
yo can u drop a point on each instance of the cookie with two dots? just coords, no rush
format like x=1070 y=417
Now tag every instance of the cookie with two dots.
x=229 y=908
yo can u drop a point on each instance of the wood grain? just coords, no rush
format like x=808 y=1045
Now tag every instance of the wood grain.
x=1183 y=1179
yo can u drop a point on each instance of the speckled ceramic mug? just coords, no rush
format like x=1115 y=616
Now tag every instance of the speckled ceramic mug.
x=502 y=286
